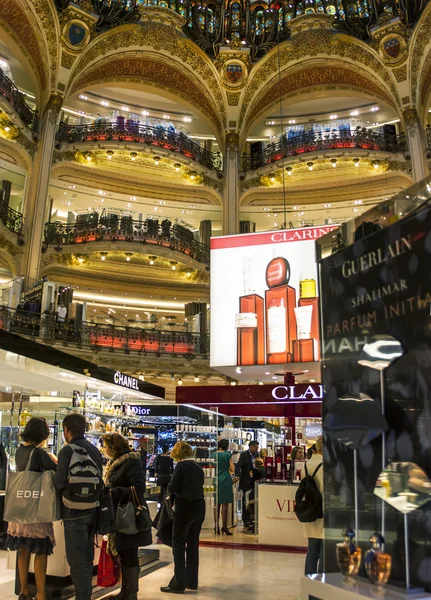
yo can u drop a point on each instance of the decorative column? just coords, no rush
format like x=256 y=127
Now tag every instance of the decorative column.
x=231 y=190
x=36 y=197
x=416 y=138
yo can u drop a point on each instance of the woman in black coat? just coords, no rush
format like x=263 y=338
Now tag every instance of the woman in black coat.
x=124 y=471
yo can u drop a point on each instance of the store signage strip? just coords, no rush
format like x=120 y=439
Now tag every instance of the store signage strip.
x=273 y=237
x=126 y=381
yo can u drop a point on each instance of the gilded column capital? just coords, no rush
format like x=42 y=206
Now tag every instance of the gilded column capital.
x=232 y=140
x=53 y=107
x=411 y=117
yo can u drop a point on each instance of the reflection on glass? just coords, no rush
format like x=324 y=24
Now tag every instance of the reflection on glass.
x=355 y=420
x=403 y=485
x=380 y=352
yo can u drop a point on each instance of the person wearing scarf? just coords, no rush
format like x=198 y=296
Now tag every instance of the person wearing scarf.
x=124 y=471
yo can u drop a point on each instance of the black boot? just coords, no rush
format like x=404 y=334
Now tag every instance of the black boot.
x=130 y=582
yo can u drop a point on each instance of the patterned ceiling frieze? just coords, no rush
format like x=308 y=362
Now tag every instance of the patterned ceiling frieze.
x=314 y=78
x=156 y=72
x=425 y=90
x=319 y=43
x=17 y=24
x=420 y=40
x=49 y=19
x=161 y=38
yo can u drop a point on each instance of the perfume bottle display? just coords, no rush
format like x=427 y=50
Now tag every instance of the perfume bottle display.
x=348 y=554
x=377 y=562
x=276 y=270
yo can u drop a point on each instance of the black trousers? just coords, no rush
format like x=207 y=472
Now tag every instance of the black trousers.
x=188 y=519
x=129 y=557
x=245 y=514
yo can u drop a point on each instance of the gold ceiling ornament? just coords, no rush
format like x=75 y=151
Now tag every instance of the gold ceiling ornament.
x=17 y=24
x=350 y=51
x=168 y=43
x=418 y=43
x=161 y=14
x=315 y=78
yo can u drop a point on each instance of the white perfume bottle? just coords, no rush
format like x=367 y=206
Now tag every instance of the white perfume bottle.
x=276 y=323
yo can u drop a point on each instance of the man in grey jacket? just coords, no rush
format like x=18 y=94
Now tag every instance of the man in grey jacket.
x=79 y=525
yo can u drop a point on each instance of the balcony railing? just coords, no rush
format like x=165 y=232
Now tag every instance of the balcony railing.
x=11 y=219
x=364 y=139
x=104 y=337
x=132 y=131
x=109 y=230
x=16 y=99
x=259 y=26
x=428 y=138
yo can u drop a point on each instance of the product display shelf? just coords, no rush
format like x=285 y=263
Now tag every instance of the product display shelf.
x=333 y=586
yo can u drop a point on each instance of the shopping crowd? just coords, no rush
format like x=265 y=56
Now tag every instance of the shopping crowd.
x=84 y=490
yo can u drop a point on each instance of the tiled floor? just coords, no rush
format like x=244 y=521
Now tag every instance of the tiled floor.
x=237 y=574
x=224 y=573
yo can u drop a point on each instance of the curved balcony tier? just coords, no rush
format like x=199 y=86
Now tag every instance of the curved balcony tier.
x=149 y=233
x=257 y=25
x=12 y=220
x=16 y=100
x=106 y=131
x=314 y=142
x=104 y=337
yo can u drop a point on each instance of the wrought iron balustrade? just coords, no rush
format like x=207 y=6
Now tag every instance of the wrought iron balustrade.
x=11 y=219
x=16 y=99
x=258 y=25
x=104 y=337
x=109 y=230
x=364 y=139
x=132 y=131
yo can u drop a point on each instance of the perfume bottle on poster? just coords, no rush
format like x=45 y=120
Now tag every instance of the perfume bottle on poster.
x=280 y=302
x=249 y=321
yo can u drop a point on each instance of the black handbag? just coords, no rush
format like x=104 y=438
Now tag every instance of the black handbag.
x=133 y=516
x=105 y=513
x=163 y=523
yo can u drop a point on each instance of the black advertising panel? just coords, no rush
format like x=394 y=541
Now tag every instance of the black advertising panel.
x=376 y=345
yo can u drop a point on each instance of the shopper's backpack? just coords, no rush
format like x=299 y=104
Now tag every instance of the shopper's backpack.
x=309 y=501
x=84 y=482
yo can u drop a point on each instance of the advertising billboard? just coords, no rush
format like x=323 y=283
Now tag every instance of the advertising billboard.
x=264 y=299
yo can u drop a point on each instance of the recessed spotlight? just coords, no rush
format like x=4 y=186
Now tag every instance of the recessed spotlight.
x=356 y=162
x=310 y=165
x=180 y=382
x=124 y=108
x=110 y=154
x=334 y=162
x=156 y=160
x=196 y=379
x=289 y=170
x=233 y=382
x=260 y=382
x=354 y=113
x=133 y=155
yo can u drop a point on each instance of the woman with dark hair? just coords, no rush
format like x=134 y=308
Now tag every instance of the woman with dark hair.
x=32 y=538
x=187 y=490
x=225 y=470
x=123 y=472
x=164 y=468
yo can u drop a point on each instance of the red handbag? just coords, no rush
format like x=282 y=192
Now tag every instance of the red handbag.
x=108 y=571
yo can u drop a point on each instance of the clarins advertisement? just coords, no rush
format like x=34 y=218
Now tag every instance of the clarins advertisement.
x=376 y=347
x=264 y=301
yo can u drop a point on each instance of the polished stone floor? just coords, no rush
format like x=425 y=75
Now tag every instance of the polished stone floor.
x=235 y=574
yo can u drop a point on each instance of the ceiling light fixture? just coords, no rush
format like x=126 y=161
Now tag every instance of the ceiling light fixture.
x=376 y=164
x=354 y=113
x=196 y=379
x=103 y=255
x=133 y=155
x=152 y=259
x=173 y=264
x=289 y=170
x=356 y=161
x=124 y=108
x=110 y=154
x=310 y=165
x=333 y=117
x=145 y=113
x=260 y=382
x=128 y=256
x=334 y=162
x=272 y=179
x=87 y=156
x=177 y=167
x=156 y=160
x=180 y=382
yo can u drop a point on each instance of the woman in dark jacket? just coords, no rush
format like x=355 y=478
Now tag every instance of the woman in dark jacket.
x=123 y=472
x=187 y=490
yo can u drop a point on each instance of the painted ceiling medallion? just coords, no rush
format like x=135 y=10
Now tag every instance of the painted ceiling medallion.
x=393 y=48
x=76 y=35
x=234 y=73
